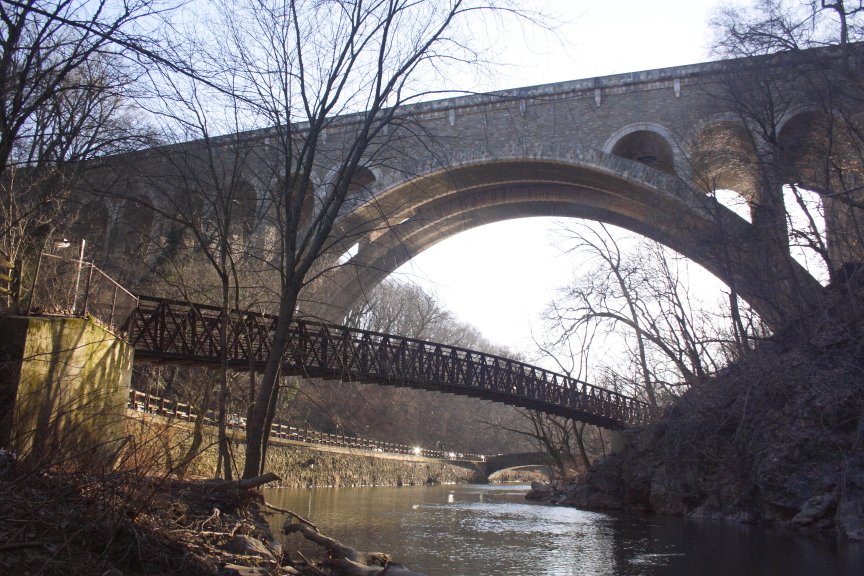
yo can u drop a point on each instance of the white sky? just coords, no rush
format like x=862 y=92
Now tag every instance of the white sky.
x=499 y=277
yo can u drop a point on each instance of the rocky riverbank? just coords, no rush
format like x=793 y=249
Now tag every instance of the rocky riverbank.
x=776 y=439
x=65 y=523
x=116 y=524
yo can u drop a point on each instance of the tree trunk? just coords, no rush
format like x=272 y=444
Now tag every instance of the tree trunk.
x=257 y=426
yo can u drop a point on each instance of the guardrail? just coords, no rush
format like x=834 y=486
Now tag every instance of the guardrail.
x=66 y=287
x=7 y=270
x=146 y=403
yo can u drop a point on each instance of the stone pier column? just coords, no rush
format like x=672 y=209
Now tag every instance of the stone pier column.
x=618 y=441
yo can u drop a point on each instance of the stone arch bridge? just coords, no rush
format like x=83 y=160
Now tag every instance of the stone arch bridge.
x=499 y=462
x=643 y=150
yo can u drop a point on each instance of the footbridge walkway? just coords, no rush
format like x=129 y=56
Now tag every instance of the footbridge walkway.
x=163 y=330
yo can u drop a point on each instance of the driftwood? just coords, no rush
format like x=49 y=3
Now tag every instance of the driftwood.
x=301 y=519
x=347 y=560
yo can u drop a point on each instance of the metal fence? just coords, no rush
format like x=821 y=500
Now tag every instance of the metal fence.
x=7 y=270
x=67 y=287
x=145 y=403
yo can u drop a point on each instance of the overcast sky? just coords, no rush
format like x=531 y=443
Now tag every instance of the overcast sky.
x=498 y=277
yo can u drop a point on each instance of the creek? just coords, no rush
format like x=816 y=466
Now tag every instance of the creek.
x=490 y=530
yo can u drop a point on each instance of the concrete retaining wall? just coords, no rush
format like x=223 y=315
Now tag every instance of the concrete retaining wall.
x=63 y=389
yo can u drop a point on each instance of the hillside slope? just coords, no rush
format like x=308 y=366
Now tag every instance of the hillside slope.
x=778 y=438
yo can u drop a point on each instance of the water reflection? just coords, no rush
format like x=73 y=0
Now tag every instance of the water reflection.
x=491 y=530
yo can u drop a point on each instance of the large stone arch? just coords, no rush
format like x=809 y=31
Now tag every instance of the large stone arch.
x=424 y=210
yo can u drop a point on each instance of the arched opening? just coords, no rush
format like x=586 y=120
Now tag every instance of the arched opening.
x=90 y=223
x=647 y=147
x=808 y=241
x=244 y=209
x=135 y=226
x=362 y=180
x=443 y=204
x=724 y=159
x=804 y=143
x=733 y=201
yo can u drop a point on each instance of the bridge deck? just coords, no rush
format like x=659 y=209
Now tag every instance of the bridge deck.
x=182 y=332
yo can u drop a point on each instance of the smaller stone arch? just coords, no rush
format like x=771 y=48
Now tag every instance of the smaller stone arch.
x=820 y=153
x=244 y=208
x=360 y=188
x=133 y=229
x=90 y=222
x=646 y=143
x=804 y=137
x=723 y=158
x=362 y=180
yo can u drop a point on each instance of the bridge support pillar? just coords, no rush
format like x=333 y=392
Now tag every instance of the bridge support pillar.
x=618 y=441
x=64 y=384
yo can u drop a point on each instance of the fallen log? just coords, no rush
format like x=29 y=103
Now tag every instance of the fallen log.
x=347 y=560
x=301 y=519
x=334 y=548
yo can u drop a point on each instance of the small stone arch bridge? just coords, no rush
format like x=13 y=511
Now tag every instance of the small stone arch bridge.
x=163 y=330
x=499 y=462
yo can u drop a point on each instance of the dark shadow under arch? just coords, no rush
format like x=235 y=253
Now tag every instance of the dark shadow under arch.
x=647 y=147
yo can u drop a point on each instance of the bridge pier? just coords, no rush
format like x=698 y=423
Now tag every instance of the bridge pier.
x=618 y=441
x=64 y=383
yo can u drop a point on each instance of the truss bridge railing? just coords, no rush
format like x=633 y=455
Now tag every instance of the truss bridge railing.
x=174 y=331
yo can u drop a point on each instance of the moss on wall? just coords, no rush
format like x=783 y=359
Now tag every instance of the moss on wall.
x=63 y=387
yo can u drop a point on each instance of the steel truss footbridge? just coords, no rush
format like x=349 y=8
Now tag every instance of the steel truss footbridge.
x=163 y=330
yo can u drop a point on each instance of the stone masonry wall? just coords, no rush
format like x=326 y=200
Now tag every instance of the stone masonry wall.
x=162 y=444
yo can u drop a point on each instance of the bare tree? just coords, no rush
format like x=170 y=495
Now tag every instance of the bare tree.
x=802 y=119
x=199 y=192
x=66 y=71
x=638 y=302
x=298 y=64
